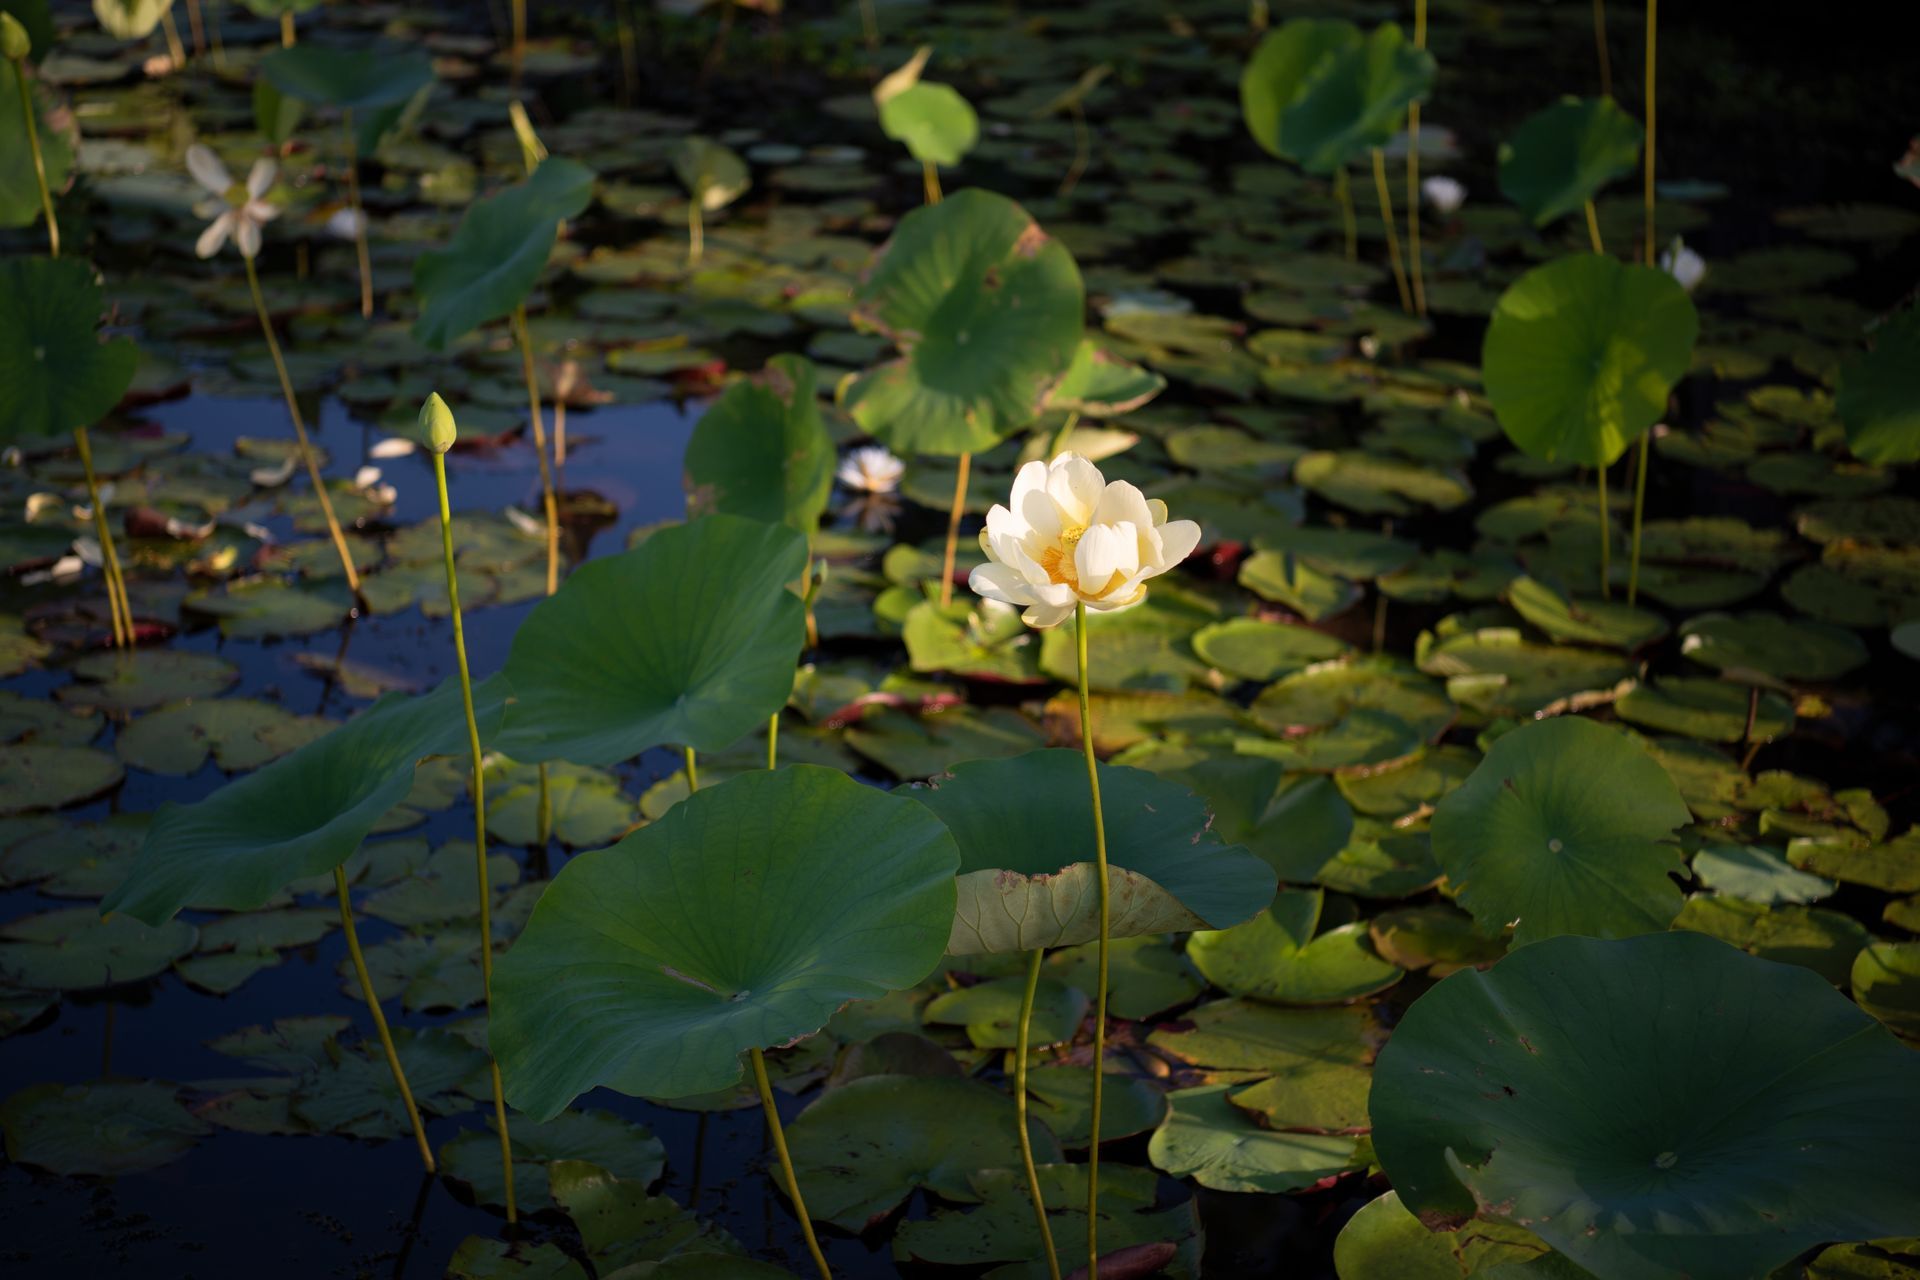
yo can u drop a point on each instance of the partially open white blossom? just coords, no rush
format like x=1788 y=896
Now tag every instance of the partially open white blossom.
x=1067 y=537
x=1443 y=193
x=238 y=212
x=871 y=469
x=1683 y=264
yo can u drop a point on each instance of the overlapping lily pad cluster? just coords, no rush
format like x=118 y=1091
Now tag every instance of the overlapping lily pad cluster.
x=1482 y=860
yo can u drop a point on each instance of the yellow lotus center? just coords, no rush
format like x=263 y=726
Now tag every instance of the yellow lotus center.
x=1057 y=560
x=237 y=195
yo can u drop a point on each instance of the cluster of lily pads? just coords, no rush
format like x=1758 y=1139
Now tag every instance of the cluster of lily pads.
x=1514 y=937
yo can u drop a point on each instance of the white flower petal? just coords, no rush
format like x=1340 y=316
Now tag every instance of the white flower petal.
x=207 y=170
x=1105 y=551
x=1042 y=616
x=1003 y=523
x=1178 y=538
x=998 y=582
x=1122 y=502
x=261 y=211
x=1031 y=478
x=214 y=236
x=246 y=237
x=260 y=177
x=1075 y=485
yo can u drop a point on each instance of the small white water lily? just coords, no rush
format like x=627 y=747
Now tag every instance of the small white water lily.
x=1683 y=264
x=871 y=469
x=1068 y=537
x=239 y=212
x=1443 y=193
x=346 y=224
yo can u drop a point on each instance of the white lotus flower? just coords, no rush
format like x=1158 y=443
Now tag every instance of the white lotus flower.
x=1068 y=537
x=239 y=212
x=345 y=224
x=871 y=469
x=1443 y=193
x=1683 y=264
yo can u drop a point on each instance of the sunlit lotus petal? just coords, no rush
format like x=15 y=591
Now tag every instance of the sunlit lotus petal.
x=1683 y=264
x=1443 y=193
x=871 y=470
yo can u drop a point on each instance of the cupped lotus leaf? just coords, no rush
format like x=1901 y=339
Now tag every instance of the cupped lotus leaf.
x=1207 y=1138
x=937 y=125
x=1781 y=647
x=1582 y=353
x=1879 y=395
x=1100 y=384
x=1283 y=68
x=863 y=1148
x=497 y=252
x=130 y=19
x=714 y=176
x=1561 y=829
x=690 y=638
x=762 y=450
x=1658 y=1106
x=645 y=967
x=303 y=814
x=1320 y=92
x=1561 y=156
x=1383 y=1241
x=100 y=1129
x=19 y=187
x=57 y=372
x=1277 y=956
x=349 y=79
x=1024 y=827
x=987 y=311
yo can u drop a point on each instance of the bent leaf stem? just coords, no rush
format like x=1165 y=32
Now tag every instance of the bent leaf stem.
x=479 y=823
x=119 y=610
x=300 y=430
x=1020 y=1109
x=1393 y=236
x=379 y=1018
x=359 y=217
x=1593 y=228
x=1100 y=992
x=779 y=1137
x=39 y=160
x=953 y=529
x=1600 y=47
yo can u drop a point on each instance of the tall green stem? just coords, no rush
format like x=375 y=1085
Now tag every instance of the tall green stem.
x=1639 y=509
x=119 y=609
x=773 y=741
x=930 y=181
x=779 y=1136
x=693 y=770
x=1393 y=235
x=696 y=232
x=1020 y=1108
x=953 y=529
x=287 y=38
x=1606 y=546
x=1100 y=991
x=479 y=821
x=1343 y=192
x=1413 y=171
x=1593 y=229
x=39 y=160
x=300 y=430
x=1082 y=151
x=379 y=1017
x=359 y=217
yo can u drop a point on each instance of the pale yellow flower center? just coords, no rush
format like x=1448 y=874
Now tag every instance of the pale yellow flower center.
x=1057 y=560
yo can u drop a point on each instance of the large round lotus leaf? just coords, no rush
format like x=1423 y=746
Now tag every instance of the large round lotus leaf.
x=1582 y=353
x=1879 y=396
x=1207 y=1138
x=1277 y=956
x=1319 y=92
x=1784 y=648
x=1659 y=1106
x=101 y=1129
x=863 y=1148
x=75 y=948
x=741 y=919
x=350 y=79
x=762 y=450
x=987 y=311
x=497 y=252
x=43 y=776
x=690 y=638
x=1385 y=1242
x=57 y=372
x=1028 y=877
x=303 y=814
x=933 y=120
x=1560 y=830
x=19 y=189
x=1559 y=158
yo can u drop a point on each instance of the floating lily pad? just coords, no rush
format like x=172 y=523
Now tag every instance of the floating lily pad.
x=586 y=807
x=1754 y=873
x=1278 y=956
x=1263 y=651
x=101 y=1129
x=1206 y=1138
x=1886 y=982
x=37 y=776
x=146 y=678
x=1784 y=648
x=1824 y=941
x=76 y=948
x=1614 y=624
x=238 y=733
x=622 y=1226
x=1709 y=709
x=990 y=1011
x=624 y=1149
x=1383 y=1241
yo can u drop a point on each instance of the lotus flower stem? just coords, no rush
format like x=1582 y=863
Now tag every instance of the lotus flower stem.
x=118 y=608
x=930 y=181
x=286 y=29
x=773 y=740
x=479 y=820
x=1343 y=192
x=1020 y=1109
x=696 y=233
x=1413 y=171
x=1100 y=988
x=693 y=771
x=1639 y=509
x=953 y=529
x=1393 y=236
x=1653 y=27
x=359 y=217
x=540 y=447
x=379 y=1018
x=176 y=52
x=300 y=430
x=1606 y=539
x=1600 y=47
x=779 y=1136
x=39 y=160
x=1593 y=228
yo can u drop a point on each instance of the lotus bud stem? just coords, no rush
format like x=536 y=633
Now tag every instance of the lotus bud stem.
x=119 y=611
x=1393 y=236
x=1413 y=172
x=17 y=44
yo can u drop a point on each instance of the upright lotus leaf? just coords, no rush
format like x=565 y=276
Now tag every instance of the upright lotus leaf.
x=987 y=311
x=1653 y=1107
x=1560 y=830
x=1559 y=158
x=1028 y=879
x=1320 y=93
x=19 y=187
x=302 y=815
x=691 y=638
x=1288 y=62
x=714 y=175
x=1879 y=395
x=741 y=919
x=762 y=450
x=130 y=19
x=937 y=125
x=57 y=373
x=1099 y=384
x=1582 y=353
x=497 y=252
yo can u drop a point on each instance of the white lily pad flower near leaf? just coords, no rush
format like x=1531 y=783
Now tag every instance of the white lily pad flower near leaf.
x=1683 y=264
x=1443 y=193
x=1069 y=537
x=239 y=212
x=871 y=469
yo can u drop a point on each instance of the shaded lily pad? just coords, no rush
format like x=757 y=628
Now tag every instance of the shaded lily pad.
x=102 y=1129
x=1278 y=956
x=622 y=1226
x=1784 y=648
x=1614 y=624
x=1754 y=873
x=626 y=1150
x=37 y=776
x=1817 y=939
x=145 y=678
x=1383 y=1241
x=1886 y=982
x=1206 y=1138
x=1879 y=396
x=990 y=1011
x=75 y=948
x=1709 y=709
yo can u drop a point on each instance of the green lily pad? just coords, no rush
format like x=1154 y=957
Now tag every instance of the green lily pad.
x=1024 y=827
x=101 y=1129
x=1206 y=1138
x=1277 y=956
x=586 y=807
x=1264 y=651
x=1246 y=1036
x=762 y=450
x=1288 y=580
x=351 y=1090
x=1614 y=624
x=1886 y=982
x=1879 y=394
x=38 y=776
x=690 y=638
x=145 y=678
x=1436 y=937
x=1560 y=830
x=1375 y=485
x=1145 y=976
x=1784 y=648
x=1498 y=671
x=1560 y=157
x=1713 y=710
x=1383 y=1241
x=1099 y=384
x=1784 y=1125
x=58 y=374
x=1062 y=1097
x=863 y=1148
x=1295 y=822
x=76 y=948
x=655 y=929
x=1891 y=866
x=626 y=1150
x=1582 y=353
x=1754 y=873
x=238 y=733
x=990 y=1011
x=623 y=1227
x=987 y=311
x=263 y=608
x=1824 y=941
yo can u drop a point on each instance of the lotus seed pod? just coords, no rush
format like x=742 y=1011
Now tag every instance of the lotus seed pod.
x=437 y=419
x=15 y=43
